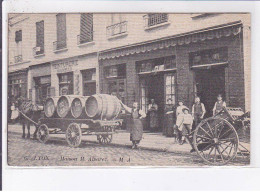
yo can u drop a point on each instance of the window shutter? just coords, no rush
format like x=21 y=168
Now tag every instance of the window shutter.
x=40 y=36
x=86 y=27
x=61 y=30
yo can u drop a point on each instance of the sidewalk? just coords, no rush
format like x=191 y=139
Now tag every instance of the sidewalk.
x=150 y=141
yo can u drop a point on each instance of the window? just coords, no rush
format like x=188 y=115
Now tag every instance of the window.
x=143 y=95
x=118 y=25
x=61 y=32
x=89 y=82
x=211 y=56
x=42 y=85
x=154 y=19
x=86 y=28
x=18 y=36
x=158 y=64
x=66 y=83
x=18 y=51
x=39 y=49
x=116 y=71
x=170 y=87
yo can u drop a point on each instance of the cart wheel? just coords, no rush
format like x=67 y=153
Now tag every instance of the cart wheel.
x=216 y=141
x=73 y=135
x=43 y=133
x=105 y=139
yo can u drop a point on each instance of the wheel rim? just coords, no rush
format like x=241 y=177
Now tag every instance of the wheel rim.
x=216 y=141
x=43 y=133
x=105 y=139
x=73 y=135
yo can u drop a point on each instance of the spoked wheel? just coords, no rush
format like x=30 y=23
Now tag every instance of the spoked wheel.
x=105 y=139
x=216 y=141
x=73 y=135
x=43 y=133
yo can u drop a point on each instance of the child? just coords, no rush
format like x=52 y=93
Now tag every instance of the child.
x=219 y=105
x=198 y=111
x=184 y=124
x=180 y=108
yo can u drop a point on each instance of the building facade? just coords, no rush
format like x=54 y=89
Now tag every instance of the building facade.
x=134 y=56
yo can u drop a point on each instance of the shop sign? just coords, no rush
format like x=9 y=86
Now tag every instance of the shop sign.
x=65 y=66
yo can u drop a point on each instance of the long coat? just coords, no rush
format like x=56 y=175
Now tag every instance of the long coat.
x=136 y=132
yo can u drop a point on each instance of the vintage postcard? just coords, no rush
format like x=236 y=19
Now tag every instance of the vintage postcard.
x=128 y=89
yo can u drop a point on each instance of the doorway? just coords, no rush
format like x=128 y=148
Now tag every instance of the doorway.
x=154 y=89
x=209 y=82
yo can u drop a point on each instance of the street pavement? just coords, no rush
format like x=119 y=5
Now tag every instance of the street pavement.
x=155 y=150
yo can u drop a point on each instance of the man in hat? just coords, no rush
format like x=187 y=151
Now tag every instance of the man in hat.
x=184 y=124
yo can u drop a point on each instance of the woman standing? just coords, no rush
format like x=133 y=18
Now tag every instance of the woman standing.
x=136 y=132
x=153 y=116
x=170 y=118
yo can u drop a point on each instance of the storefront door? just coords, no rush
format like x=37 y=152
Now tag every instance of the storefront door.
x=208 y=84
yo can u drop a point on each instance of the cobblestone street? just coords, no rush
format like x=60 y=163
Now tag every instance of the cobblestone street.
x=56 y=152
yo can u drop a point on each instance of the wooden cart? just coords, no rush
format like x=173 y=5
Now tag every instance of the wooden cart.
x=217 y=139
x=74 y=129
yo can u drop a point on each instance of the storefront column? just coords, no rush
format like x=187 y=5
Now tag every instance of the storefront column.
x=29 y=84
x=184 y=76
x=77 y=82
x=54 y=81
x=247 y=65
x=235 y=80
x=131 y=82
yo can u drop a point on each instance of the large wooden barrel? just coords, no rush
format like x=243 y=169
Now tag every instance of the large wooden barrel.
x=102 y=106
x=64 y=105
x=78 y=106
x=50 y=106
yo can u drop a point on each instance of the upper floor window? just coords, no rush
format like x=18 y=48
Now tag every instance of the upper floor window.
x=118 y=25
x=61 y=42
x=18 y=50
x=86 y=28
x=154 y=19
x=18 y=36
x=39 y=49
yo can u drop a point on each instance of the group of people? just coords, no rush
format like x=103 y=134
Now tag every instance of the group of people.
x=178 y=121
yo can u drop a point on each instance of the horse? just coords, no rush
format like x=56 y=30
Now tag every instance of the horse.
x=31 y=110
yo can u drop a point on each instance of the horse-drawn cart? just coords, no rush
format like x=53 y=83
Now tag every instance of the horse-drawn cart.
x=74 y=129
x=217 y=139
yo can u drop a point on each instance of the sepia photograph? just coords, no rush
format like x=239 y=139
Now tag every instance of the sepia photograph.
x=128 y=89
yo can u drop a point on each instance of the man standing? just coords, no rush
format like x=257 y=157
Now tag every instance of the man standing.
x=198 y=111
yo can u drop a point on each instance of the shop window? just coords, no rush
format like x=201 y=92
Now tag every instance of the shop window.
x=66 y=83
x=42 y=85
x=115 y=78
x=211 y=56
x=86 y=28
x=143 y=95
x=170 y=87
x=115 y=71
x=89 y=82
x=156 y=65
x=117 y=87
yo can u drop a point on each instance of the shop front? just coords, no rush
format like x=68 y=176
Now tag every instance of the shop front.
x=17 y=84
x=74 y=76
x=202 y=63
x=40 y=80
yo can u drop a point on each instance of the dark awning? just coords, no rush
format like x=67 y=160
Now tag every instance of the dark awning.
x=215 y=32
